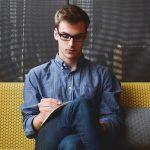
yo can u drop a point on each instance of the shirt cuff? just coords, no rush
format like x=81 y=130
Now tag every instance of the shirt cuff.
x=29 y=130
x=108 y=124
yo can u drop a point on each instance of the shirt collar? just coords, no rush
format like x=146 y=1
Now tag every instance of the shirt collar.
x=62 y=64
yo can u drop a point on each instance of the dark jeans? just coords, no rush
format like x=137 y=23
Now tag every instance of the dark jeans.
x=71 y=142
x=76 y=118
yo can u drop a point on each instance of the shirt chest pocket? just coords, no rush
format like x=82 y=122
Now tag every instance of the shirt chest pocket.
x=54 y=90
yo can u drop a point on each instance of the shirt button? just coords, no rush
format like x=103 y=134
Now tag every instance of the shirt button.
x=62 y=68
x=69 y=87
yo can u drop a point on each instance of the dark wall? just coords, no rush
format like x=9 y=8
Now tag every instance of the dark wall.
x=119 y=36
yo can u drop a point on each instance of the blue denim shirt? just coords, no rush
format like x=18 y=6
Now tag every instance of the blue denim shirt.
x=54 y=80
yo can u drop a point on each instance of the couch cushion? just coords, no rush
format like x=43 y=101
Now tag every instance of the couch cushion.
x=135 y=99
x=137 y=132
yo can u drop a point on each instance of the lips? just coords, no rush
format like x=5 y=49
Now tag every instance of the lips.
x=70 y=50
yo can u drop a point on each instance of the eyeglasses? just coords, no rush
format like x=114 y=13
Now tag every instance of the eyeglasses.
x=67 y=37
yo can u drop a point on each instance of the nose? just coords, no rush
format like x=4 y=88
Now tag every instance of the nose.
x=71 y=42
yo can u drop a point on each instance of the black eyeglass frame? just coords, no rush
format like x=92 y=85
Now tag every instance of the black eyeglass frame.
x=67 y=37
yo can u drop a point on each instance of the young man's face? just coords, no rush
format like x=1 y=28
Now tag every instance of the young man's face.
x=70 y=39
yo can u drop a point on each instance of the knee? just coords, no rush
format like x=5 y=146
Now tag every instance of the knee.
x=70 y=144
x=84 y=106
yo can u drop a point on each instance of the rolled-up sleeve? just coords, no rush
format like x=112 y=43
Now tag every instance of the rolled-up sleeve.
x=110 y=109
x=29 y=107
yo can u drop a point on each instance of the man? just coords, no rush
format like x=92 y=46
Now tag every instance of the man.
x=92 y=89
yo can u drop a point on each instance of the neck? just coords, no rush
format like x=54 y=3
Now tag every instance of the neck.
x=72 y=64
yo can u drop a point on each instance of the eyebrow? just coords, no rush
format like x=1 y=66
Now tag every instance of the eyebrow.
x=72 y=35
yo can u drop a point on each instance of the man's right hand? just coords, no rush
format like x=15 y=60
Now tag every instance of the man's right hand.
x=46 y=106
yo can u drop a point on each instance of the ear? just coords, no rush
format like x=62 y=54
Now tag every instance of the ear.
x=86 y=36
x=56 y=36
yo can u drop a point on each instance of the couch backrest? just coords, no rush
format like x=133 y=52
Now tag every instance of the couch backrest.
x=134 y=95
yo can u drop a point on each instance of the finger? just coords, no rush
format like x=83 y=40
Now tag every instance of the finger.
x=50 y=100
x=47 y=106
x=56 y=101
x=46 y=109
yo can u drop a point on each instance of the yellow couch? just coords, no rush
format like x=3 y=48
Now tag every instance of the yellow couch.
x=11 y=132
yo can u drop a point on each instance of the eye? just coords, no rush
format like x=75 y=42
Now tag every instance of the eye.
x=79 y=37
x=66 y=36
